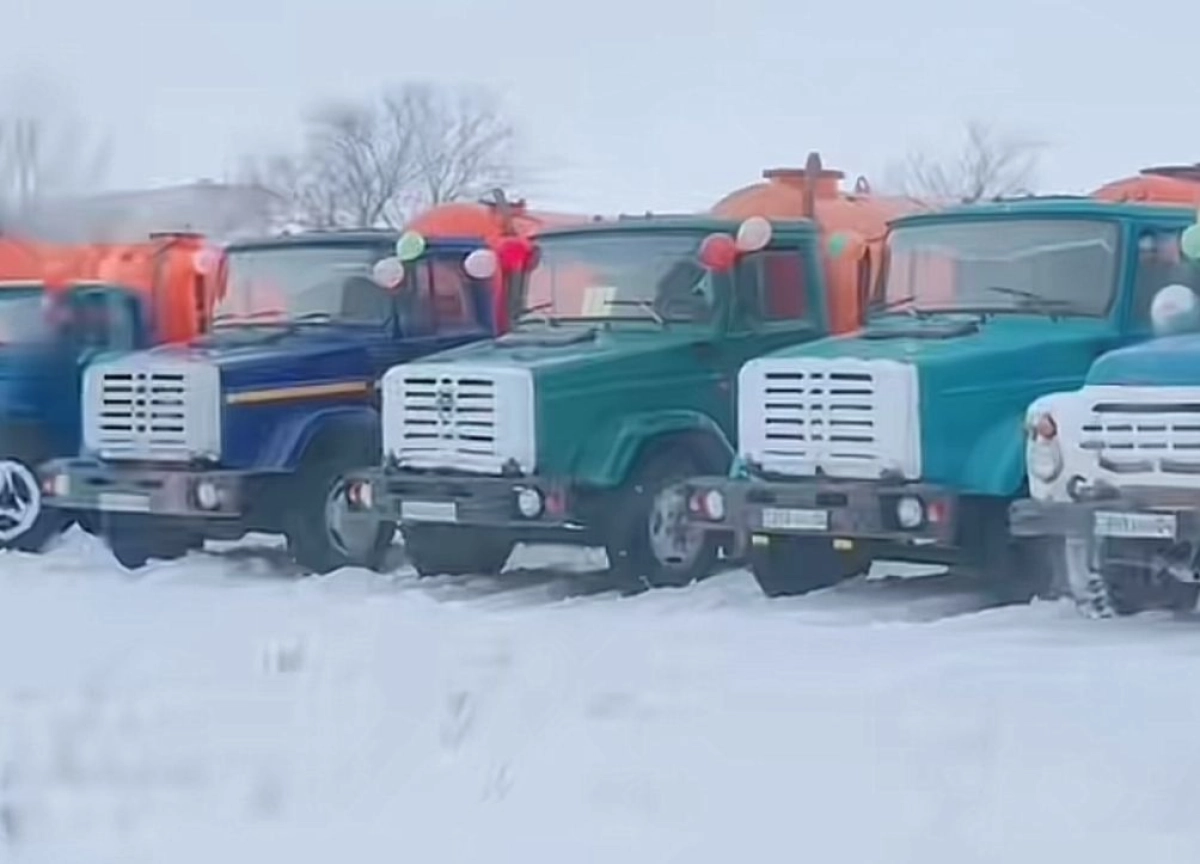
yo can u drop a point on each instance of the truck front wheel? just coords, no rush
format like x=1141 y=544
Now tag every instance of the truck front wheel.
x=1116 y=588
x=438 y=550
x=323 y=533
x=650 y=544
x=789 y=566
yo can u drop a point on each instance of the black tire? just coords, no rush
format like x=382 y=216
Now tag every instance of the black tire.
x=136 y=540
x=20 y=499
x=313 y=541
x=786 y=566
x=1135 y=589
x=632 y=521
x=442 y=550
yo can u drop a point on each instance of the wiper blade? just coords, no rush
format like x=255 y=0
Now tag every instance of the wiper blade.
x=897 y=302
x=1032 y=298
x=537 y=310
x=645 y=305
x=232 y=319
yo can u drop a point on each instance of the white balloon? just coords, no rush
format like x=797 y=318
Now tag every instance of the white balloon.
x=1175 y=309
x=388 y=272
x=481 y=264
x=754 y=234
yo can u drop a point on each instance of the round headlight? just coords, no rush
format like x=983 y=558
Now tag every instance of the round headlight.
x=529 y=503
x=910 y=512
x=208 y=496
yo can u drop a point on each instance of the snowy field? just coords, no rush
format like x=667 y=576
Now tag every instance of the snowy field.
x=217 y=710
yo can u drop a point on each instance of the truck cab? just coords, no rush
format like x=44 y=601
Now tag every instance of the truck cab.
x=85 y=302
x=906 y=440
x=1113 y=467
x=615 y=383
x=250 y=427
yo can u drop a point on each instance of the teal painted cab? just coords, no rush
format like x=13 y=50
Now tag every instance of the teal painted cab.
x=906 y=440
x=616 y=381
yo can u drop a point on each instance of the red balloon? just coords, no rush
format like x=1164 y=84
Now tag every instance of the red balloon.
x=516 y=254
x=719 y=252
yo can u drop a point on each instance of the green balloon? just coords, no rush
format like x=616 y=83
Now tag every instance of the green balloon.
x=1189 y=243
x=410 y=246
x=837 y=244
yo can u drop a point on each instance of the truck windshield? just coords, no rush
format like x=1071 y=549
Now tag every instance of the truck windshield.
x=23 y=315
x=625 y=275
x=289 y=283
x=1053 y=266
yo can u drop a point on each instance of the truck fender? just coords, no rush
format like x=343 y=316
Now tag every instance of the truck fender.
x=607 y=457
x=996 y=464
x=286 y=447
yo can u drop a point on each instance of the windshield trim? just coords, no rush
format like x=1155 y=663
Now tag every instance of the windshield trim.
x=1115 y=230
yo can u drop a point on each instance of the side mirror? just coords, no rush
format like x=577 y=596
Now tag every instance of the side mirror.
x=1174 y=309
x=388 y=273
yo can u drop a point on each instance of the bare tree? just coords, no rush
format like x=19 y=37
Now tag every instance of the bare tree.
x=376 y=162
x=989 y=164
x=46 y=150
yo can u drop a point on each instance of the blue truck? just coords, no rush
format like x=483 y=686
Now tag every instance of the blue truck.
x=107 y=300
x=250 y=427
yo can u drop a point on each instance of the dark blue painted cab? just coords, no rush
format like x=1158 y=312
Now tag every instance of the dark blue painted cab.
x=289 y=376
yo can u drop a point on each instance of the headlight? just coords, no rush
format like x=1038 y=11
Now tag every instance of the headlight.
x=910 y=512
x=529 y=503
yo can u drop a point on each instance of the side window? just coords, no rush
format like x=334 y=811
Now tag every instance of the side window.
x=439 y=299
x=1160 y=262
x=773 y=285
x=104 y=320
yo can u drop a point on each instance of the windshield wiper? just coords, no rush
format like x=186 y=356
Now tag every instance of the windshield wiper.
x=645 y=305
x=889 y=305
x=232 y=319
x=536 y=310
x=1034 y=299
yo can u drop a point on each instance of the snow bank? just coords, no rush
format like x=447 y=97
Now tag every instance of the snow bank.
x=210 y=710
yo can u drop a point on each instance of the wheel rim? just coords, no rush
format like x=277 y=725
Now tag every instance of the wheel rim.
x=673 y=543
x=20 y=499
x=351 y=534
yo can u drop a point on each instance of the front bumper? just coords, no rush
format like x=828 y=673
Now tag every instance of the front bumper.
x=476 y=501
x=94 y=486
x=822 y=508
x=1150 y=514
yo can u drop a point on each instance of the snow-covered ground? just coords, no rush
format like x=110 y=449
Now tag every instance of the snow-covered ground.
x=214 y=710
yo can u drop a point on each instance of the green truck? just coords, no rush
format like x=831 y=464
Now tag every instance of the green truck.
x=615 y=384
x=907 y=440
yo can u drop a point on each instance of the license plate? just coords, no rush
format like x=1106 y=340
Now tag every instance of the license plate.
x=1160 y=526
x=124 y=502
x=428 y=511
x=795 y=519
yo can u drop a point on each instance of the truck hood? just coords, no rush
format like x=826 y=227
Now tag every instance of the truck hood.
x=553 y=353
x=307 y=356
x=975 y=387
x=1172 y=361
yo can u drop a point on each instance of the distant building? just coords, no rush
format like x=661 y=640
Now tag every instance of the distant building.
x=219 y=210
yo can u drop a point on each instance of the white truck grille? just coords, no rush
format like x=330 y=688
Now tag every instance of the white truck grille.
x=152 y=410
x=1135 y=435
x=846 y=417
x=459 y=417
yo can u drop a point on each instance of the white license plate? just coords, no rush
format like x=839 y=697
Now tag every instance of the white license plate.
x=1161 y=526
x=428 y=511
x=795 y=519
x=124 y=502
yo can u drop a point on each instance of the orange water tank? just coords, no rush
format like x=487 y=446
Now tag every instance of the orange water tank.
x=488 y=221
x=1172 y=185
x=859 y=218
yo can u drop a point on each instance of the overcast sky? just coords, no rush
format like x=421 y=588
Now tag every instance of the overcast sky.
x=636 y=104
